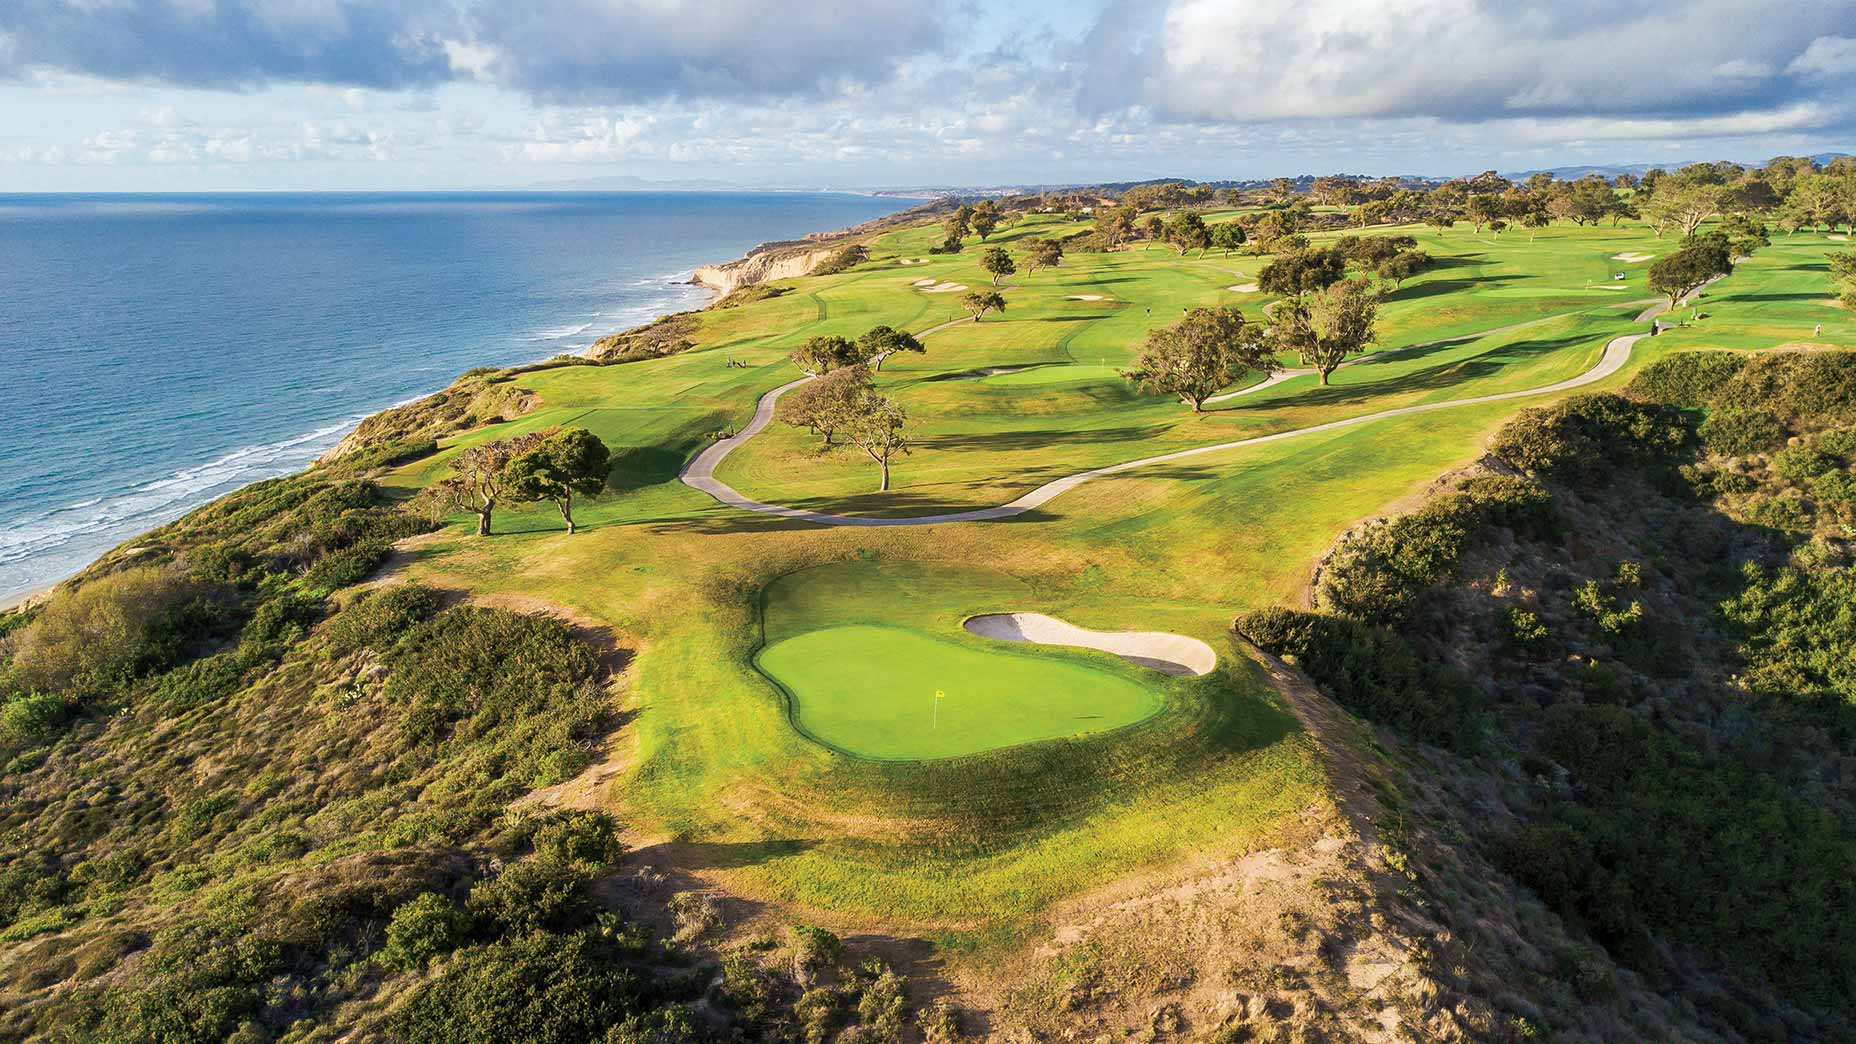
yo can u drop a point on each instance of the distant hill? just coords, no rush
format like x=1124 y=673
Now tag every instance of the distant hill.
x=1612 y=170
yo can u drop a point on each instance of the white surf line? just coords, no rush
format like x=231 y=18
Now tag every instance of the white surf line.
x=700 y=472
x=1158 y=650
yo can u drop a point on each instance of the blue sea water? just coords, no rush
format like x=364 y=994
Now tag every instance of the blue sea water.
x=159 y=350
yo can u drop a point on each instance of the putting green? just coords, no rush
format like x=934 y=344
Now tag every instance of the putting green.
x=870 y=691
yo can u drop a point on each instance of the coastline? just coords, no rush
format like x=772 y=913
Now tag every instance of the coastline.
x=325 y=438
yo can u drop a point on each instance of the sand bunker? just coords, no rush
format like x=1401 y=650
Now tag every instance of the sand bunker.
x=1088 y=297
x=926 y=282
x=1243 y=288
x=1632 y=258
x=912 y=261
x=1166 y=653
x=1838 y=239
x=1606 y=286
x=943 y=288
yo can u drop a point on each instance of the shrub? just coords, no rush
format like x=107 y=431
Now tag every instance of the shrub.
x=1803 y=390
x=378 y=618
x=468 y=670
x=1524 y=630
x=107 y=632
x=346 y=566
x=542 y=989
x=206 y=680
x=1581 y=440
x=1379 y=575
x=841 y=259
x=1803 y=462
x=1373 y=672
x=282 y=620
x=534 y=894
x=1688 y=379
x=1738 y=432
x=587 y=838
x=426 y=927
x=32 y=718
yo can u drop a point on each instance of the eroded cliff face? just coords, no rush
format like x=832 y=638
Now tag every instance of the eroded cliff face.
x=760 y=266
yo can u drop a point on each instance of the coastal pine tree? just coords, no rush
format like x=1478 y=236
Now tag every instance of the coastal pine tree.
x=563 y=464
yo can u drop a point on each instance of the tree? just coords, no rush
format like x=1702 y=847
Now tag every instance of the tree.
x=980 y=303
x=1843 y=270
x=1282 y=190
x=1115 y=225
x=1484 y=208
x=1689 y=269
x=997 y=263
x=877 y=426
x=567 y=462
x=821 y=355
x=1044 y=253
x=1325 y=327
x=1188 y=231
x=985 y=218
x=1682 y=203
x=1402 y=266
x=1228 y=236
x=1200 y=354
x=1302 y=271
x=880 y=342
x=479 y=479
x=956 y=225
x=824 y=404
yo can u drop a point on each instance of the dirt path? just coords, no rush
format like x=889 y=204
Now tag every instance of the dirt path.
x=700 y=472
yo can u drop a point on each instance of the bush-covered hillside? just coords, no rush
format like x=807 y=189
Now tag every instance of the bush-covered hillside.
x=1635 y=627
x=243 y=799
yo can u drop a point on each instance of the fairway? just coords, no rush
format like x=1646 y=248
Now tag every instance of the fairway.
x=870 y=691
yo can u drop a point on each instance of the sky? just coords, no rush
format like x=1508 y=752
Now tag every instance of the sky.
x=210 y=95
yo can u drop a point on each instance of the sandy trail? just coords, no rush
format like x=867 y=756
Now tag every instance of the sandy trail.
x=1163 y=652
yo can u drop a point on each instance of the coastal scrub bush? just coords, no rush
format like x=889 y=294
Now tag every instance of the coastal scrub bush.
x=1581 y=440
x=107 y=632
x=468 y=671
x=347 y=566
x=539 y=989
x=1803 y=390
x=1687 y=379
x=1736 y=432
x=842 y=259
x=1379 y=575
x=378 y=618
x=1373 y=672
x=427 y=926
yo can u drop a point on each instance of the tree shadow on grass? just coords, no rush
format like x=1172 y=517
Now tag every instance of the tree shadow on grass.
x=1440 y=287
x=1819 y=296
x=721 y=855
x=1013 y=441
x=1433 y=378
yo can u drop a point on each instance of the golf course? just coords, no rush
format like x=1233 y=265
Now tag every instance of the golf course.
x=810 y=724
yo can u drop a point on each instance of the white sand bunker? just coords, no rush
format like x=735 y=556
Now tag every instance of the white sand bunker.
x=912 y=261
x=1632 y=258
x=926 y=282
x=1838 y=239
x=1243 y=288
x=943 y=288
x=1606 y=286
x=1166 y=653
x=1088 y=297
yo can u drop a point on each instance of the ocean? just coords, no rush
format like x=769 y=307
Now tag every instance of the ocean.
x=160 y=350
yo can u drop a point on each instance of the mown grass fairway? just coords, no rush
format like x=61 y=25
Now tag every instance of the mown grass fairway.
x=713 y=769
x=871 y=691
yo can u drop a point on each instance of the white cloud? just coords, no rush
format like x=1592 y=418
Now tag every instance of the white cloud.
x=1828 y=58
